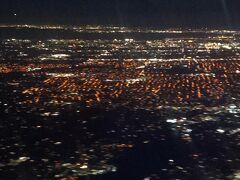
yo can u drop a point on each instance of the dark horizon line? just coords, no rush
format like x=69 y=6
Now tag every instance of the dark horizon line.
x=140 y=21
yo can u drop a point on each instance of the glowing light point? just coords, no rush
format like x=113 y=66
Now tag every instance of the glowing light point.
x=84 y=167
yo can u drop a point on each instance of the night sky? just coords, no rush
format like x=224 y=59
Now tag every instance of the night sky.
x=176 y=13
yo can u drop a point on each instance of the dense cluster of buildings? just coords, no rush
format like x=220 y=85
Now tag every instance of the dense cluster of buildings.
x=80 y=102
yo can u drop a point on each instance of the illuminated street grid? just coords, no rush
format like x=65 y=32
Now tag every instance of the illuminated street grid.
x=71 y=107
